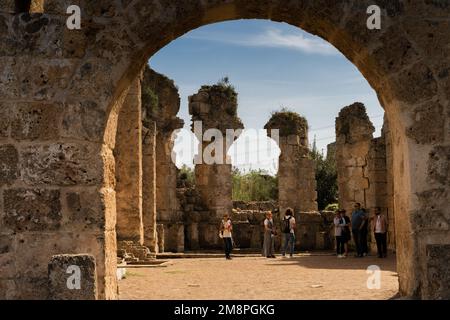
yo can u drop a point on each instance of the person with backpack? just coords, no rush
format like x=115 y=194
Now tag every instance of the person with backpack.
x=225 y=233
x=269 y=233
x=289 y=232
x=339 y=233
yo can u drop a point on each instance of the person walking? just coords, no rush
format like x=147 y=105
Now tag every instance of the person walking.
x=358 y=217
x=339 y=225
x=346 y=233
x=380 y=227
x=226 y=229
x=289 y=232
x=269 y=233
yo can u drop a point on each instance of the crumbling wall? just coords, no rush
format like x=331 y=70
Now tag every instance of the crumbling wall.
x=149 y=185
x=213 y=108
x=160 y=107
x=296 y=169
x=364 y=166
x=386 y=134
x=75 y=80
x=128 y=156
x=354 y=134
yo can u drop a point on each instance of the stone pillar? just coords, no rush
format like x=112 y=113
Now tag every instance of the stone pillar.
x=149 y=185
x=161 y=103
x=214 y=107
x=296 y=171
x=354 y=133
x=389 y=184
x=128 y=155
x=376 y=172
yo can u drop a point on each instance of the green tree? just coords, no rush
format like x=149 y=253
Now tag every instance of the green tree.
x=326 y=177
x=256 y=185
x=187 y=173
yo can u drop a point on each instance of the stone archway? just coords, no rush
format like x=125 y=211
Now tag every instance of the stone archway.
x=61 y=91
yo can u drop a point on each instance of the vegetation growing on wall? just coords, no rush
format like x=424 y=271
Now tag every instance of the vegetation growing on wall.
x=288 y=122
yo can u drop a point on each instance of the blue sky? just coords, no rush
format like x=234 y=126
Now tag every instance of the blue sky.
x=271 y=65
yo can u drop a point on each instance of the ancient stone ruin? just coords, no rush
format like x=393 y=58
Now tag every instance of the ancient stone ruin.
x=62 y=93
x=364 y=165
x=296 y=169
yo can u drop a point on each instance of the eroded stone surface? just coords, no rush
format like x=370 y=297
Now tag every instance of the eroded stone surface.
x=61 y=164
x=405 y=62
x=9 y=159
x=72 y=277
x=32 y=209
x=296 y=169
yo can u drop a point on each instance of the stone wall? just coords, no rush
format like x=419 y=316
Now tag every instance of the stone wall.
x=128 y=156
x=149 y=185
x=214 y=108
x=363 y=166
x=354 y=133
x=161 y=105
x=296 y=169
x=66 y=87
x=386 y=133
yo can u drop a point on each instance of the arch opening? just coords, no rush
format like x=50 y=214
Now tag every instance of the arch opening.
x=187 y=241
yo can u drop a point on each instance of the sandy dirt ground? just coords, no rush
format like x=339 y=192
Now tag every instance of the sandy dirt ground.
x=302 y=277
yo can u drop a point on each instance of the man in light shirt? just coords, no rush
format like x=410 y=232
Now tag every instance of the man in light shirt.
x=380 y=227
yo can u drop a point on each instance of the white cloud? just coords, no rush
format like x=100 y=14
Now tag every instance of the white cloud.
x=273 y=38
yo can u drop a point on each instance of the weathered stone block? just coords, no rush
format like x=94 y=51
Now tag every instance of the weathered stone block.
x=8 y=289
x=86 y=211
x=93 y=79
x=72 y=277
x=83 y=119
x=9 y=78
x=31 y=288
x=439 y=165
x=74 y=42
x=7 y=6
x=45 y=79
x=9 y=158
x=62 y=164
x=5 y=114
x=293 y=140
x=429 y=124
x=161 y=236
x=424 y=83
x=36 y=121
x=7 y=257
x=32 y=209
x=438 y=272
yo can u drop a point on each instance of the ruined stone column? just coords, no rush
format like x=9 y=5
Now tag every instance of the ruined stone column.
x=214 y=107
x=354 y=133
x=161 y=103
x=149 y=185
x=389 y=184
x=128 y=155
x=296 y=172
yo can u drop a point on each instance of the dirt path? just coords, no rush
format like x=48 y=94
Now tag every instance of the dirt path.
x=304 y=277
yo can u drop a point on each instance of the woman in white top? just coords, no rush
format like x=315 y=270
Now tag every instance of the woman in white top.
x=339 y=224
